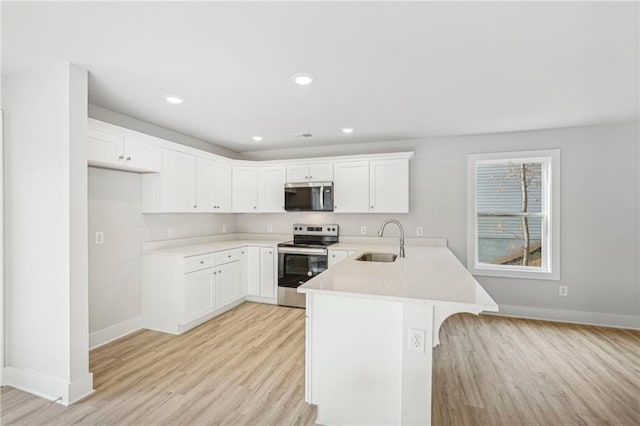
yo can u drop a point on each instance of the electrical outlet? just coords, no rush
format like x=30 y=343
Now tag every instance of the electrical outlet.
x=224 y=228
x=416 y=340
x=99 y=237
x=171 y=232
x=564 y=290
x=419 y=231
x=363 y=230
x=269 y=228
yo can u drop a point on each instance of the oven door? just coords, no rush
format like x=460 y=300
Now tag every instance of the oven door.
x=294 y=269
x=312 y=196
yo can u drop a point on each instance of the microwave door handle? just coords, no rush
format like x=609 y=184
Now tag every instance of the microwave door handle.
x=321 y=197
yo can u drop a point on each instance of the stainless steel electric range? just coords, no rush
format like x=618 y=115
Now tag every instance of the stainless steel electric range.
x=302 y=259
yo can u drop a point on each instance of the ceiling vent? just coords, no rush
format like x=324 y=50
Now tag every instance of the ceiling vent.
x=302 y=135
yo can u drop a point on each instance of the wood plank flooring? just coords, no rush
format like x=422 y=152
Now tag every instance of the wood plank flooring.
x=247 y=367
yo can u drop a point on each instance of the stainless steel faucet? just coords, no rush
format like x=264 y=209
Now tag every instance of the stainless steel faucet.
x=381 y=231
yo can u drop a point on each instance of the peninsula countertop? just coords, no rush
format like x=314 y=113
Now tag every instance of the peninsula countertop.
x=428 y=274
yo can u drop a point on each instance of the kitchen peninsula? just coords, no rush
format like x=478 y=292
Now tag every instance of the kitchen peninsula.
x=371 y=327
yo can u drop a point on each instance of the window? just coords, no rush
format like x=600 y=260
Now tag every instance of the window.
x=513 y=222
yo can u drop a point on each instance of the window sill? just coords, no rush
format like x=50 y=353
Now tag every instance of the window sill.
x=514 y=273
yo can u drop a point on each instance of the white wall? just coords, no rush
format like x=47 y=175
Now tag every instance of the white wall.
x=46 y=199
x=115 y=205
x=599 y=201
x=127 y=122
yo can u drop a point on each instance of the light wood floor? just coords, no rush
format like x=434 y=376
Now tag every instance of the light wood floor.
x=247 y=367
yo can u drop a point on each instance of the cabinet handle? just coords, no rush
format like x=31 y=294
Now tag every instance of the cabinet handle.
x=254 y=207
x=214 y=272
x=195 y=206
x=371 y=206
x=229 y=255
x=219 y=272
x=335 y=207
x=333 y=255
x=120 y=157
x=306 y=177
x=310 y=177
x=202 y=262
x=128 y=158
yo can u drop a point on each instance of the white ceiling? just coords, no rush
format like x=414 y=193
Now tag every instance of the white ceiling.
x=390 y=70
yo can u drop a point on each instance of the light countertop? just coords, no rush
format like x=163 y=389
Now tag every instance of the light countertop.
x=430 y=275
x=211 y=247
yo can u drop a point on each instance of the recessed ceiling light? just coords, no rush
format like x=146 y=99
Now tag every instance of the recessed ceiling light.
x=173 y=99
x=302 y=78
x=257 y=138
x=347 y=130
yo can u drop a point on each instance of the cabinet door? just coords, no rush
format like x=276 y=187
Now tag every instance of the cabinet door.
x=104 y=148
x=222 y=191
x=271 y=181
x=245 y=189
x=267 y=272
x=389 y=186
x=250 y=270
x=205 y=185
x=179 y=181
x=321 y=172
x=297 y=173
x=335 y=256
x=228 y=284
x=199 y=295
x=142 y=156
x=351 y=187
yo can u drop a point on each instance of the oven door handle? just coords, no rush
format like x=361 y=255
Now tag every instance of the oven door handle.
x=302 y=250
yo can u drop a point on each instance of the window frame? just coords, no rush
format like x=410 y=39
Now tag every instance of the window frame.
x=550 y=269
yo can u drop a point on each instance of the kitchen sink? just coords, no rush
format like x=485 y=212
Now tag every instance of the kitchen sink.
x=377 y=257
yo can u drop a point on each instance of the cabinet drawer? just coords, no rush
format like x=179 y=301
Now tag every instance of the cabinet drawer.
x=195 y=263
x=227 y=256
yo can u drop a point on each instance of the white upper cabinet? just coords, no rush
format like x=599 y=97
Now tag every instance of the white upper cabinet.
x=142 y=156
x=113 y=150
x=104 y=148
x=205 y=185
x=179 y=182
x=314 y=172
x=245 y=189
x=213 y=182
x=271 y=181
x=351 y=187
x=222 y=194
x=389 y=186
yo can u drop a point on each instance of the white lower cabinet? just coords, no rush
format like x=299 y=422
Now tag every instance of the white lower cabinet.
x=267 y=272
x=336 y=256
x=199 y=294
x=228 y=284
x=250 y=270
x=179 y=293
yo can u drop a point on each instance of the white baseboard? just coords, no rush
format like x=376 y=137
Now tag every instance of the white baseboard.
x=259 y=299
x=48 y=387
x=114 y=332
x=575 y=317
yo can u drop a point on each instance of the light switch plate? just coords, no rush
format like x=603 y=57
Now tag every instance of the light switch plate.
x=269 y=228
x=419 y=231
x=224 y=228
x=170 y=232
x=363 y=230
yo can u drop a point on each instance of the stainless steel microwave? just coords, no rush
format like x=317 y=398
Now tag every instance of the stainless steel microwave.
x=308 y=197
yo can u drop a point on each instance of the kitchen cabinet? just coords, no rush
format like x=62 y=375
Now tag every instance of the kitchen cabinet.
x=245 y=189
x=267 y=273
x=250 y=270
x=271 y=180
x=122 y=152
x=336 y=256
x=351 y=187
x=179 y=293
x=314 y=172
x=228 y=284
x=178 y=182
x=213 y=183
x=199 y=294
x=389 y=186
